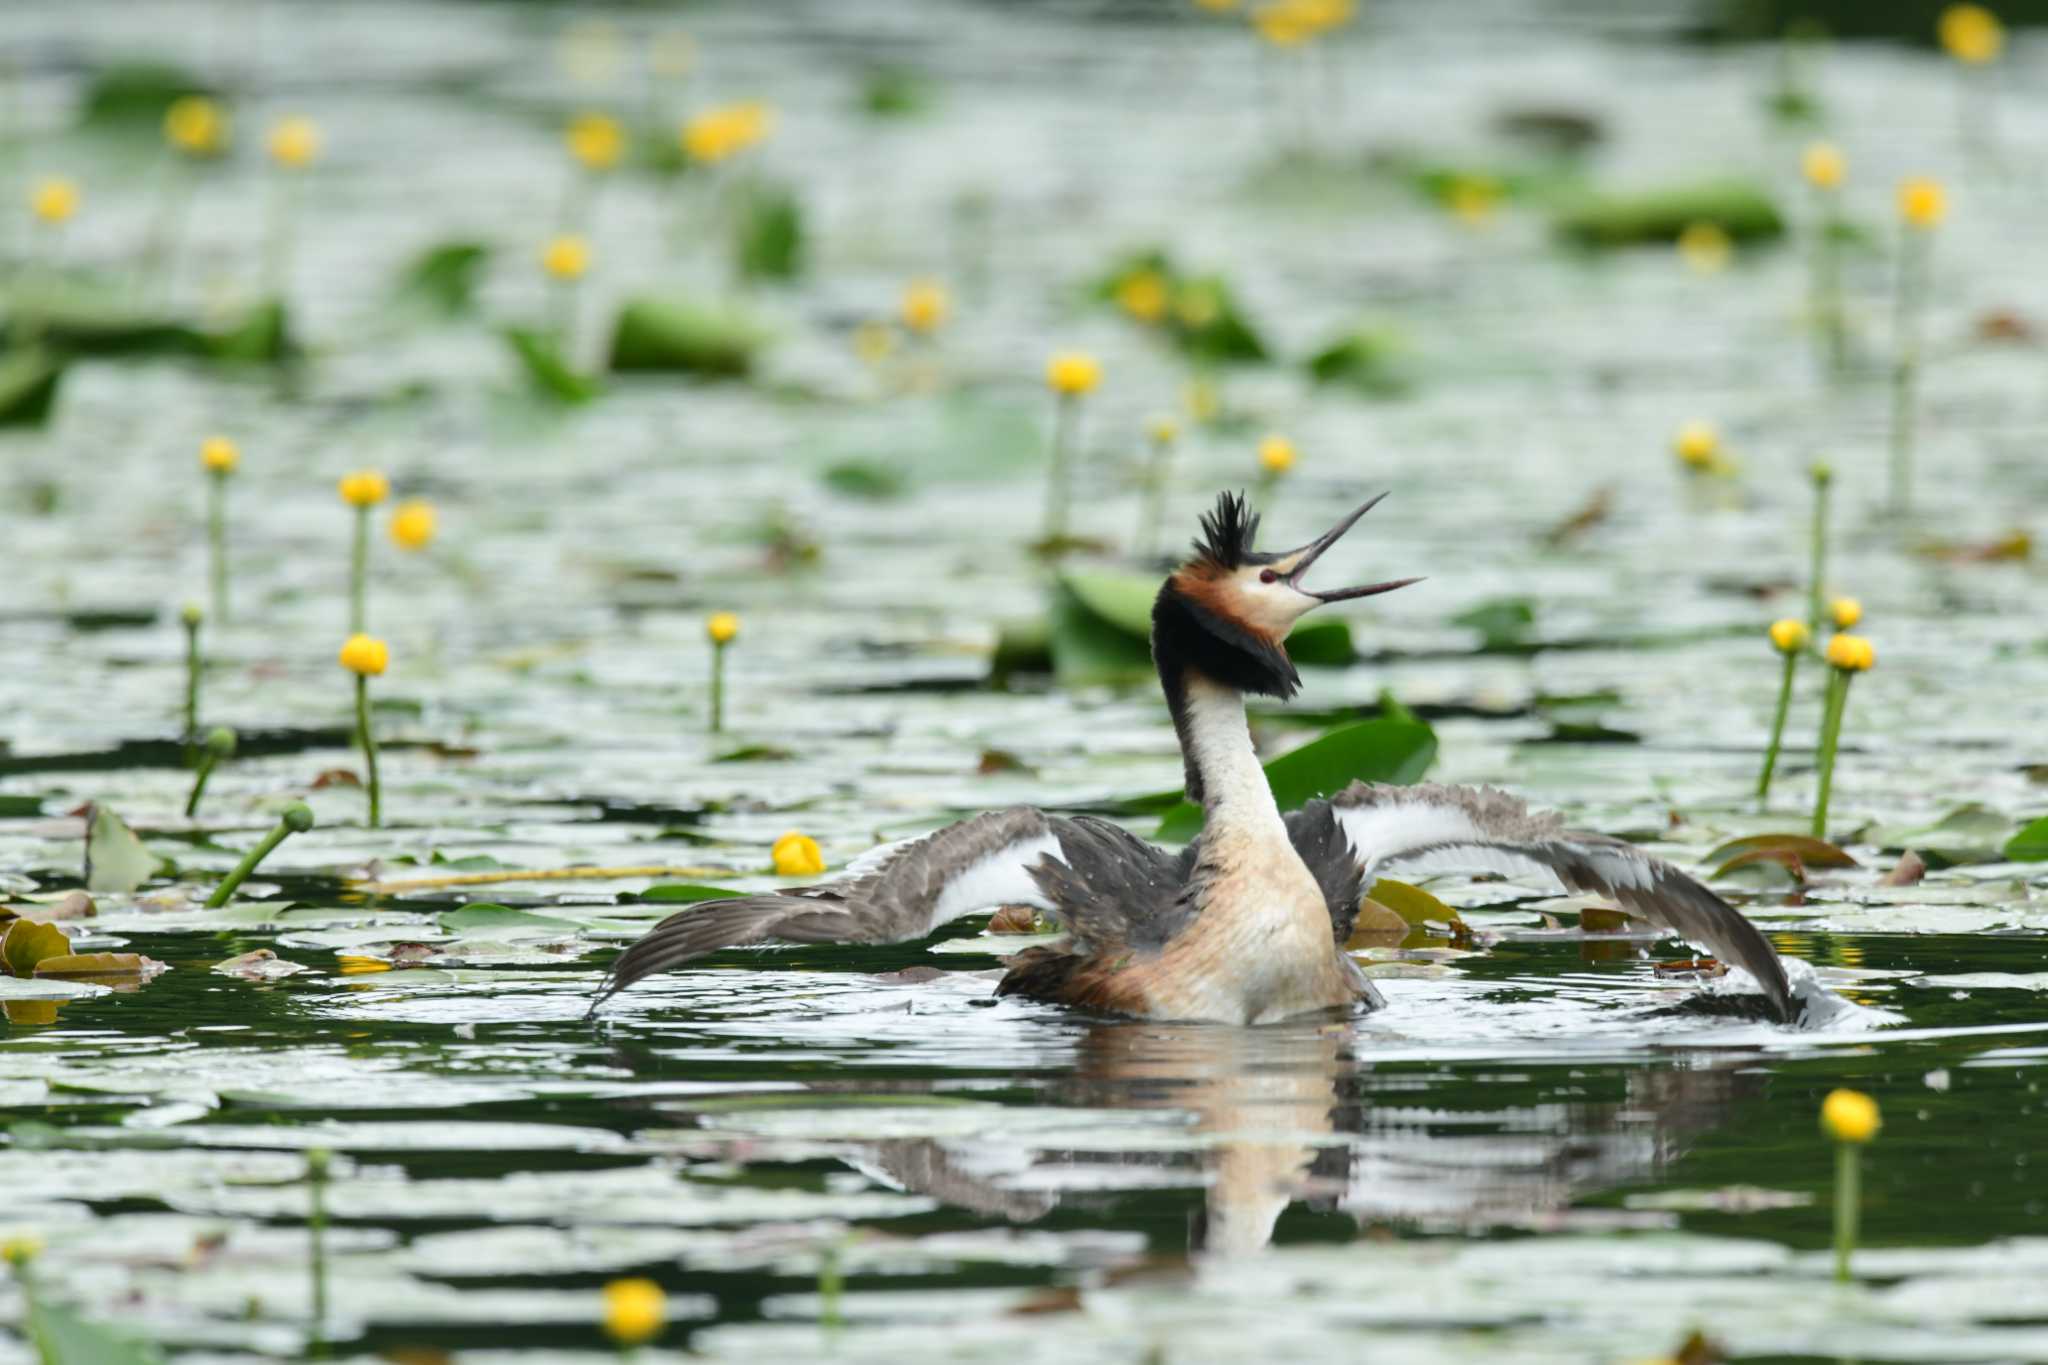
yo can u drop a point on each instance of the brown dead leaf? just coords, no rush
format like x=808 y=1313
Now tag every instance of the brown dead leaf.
x=259 y=965
x=1691 y=966
x=1590 y=514
x=1060 y=1299
x=2003 y=324
x=74 y=905
x=1910 y=869
x=337 y=777
x=32 y=1013
x=1699 y=1349
x=1014 y=919
x=995 y=761
x=119 y=970
x=1377 y=926
x=1603 y=919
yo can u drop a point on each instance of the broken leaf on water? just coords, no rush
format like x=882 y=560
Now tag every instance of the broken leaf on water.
x=115 y=859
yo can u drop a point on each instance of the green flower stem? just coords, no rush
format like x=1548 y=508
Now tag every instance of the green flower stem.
x=1152 y=500
x=194 y=666
x=368 y=739
x=1906 y=367
x=316 y=1228
x=831 y=1286
x=1848 y=1204
x=1066 y=418
x=1830 y=736
x=1763 y=781
x=1817 y=572
x=1827 y=285
x=297 y=819
x=359 y=573
x=717 y=688
x=217 y=542
x=220 y=745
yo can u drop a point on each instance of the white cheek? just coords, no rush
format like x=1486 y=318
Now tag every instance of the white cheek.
x=1276 y=606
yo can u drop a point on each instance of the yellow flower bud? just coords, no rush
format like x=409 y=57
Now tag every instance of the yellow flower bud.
x=925 y=306
x=1789 y=636
x=723 y=627
x=219 y=455
x=365 y=655
x=196 y=126
x=1163 y=429
x=1276 y=455
x=1970 y=33
x=19 y=1251
x=1698 y=444
x=725 y=131
x=1072 y=372
x=635 y=1311
x=54 y=200
x=596 y=140
x=294 y=142
x=1847 y=611
x=413 y=524
x=1472 y=200
x=1823 y=165
x=1143 y=295
x=566 y=257
x=1849 y=1116
x=797 y=855
x=1923 y=203
x=1706 y=247
x=1851 y=653
x=364 y=488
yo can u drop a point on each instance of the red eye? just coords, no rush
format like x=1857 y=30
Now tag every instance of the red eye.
x=1268 y=576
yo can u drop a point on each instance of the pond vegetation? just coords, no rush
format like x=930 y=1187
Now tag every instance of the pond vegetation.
x=482 y=477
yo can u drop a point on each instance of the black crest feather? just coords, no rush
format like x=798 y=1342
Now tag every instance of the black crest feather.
x=1228 y=532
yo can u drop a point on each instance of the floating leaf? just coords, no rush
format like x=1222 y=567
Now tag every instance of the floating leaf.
x=115 y=859
x=445 y=276
x=62 y=1337
x=677 y=335
x=1603 y=919
x=486 y=921
x=865 y=479
x=1794 y=852
x=93 y=966
x=139 y=93
x=1370 y=751
x=1739 y=208
x=678 y=892
x=1366 y=360
x=28 y=943
x=29 y=379
x=1502 y=622
x=2030 y=845
x=1971 y=833
x=549 y=372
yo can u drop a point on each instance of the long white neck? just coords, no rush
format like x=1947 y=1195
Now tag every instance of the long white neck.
x=1217 y=740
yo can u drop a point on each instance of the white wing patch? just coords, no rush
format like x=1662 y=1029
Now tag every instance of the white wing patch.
x=999 y=878
x=1380 y=832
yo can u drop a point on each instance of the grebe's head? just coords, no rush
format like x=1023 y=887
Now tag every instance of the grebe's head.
x=1227 y=610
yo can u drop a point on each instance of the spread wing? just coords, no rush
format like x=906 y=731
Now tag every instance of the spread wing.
x=1324 y=844
x=1436 y=828
x=898 y=894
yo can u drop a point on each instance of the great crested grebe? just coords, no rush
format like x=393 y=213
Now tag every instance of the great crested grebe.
x=1247 y=924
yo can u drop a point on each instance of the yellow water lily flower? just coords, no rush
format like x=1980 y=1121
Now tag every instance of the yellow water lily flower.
x=196 y=126
x=1971 y=34
x=55 y=200
x=1849 y=1116
x=413 y=524
x=1790 y=635
x=1698 y=444
x=1923 y=203
x=1276 y=455
x=797 y=855
x=294 y=142
x=1472 y=200
x=723 y=132
x=1071 y=373
x=1143 y=294
x=925 y=306
x=596 y=141
x=1705 y=246
x=1851 y=653
x=365 y=655
x=635 y=1311
x=723 y=627
x=219 y=455
x=364 y=488
x=566 y=257
x=1846 y=611
x=1823 y=165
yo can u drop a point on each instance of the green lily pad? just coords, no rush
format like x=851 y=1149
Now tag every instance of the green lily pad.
x=62 y=1337
x=1971 y=833
x=1740 y=208
x=444 y=277
x=29 y=379
x=677 y=335
x=485 y=921
x=1367 y=360
x=1383 y=750
x=2030 y=845
x=683 y=892
x=1123 y=603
